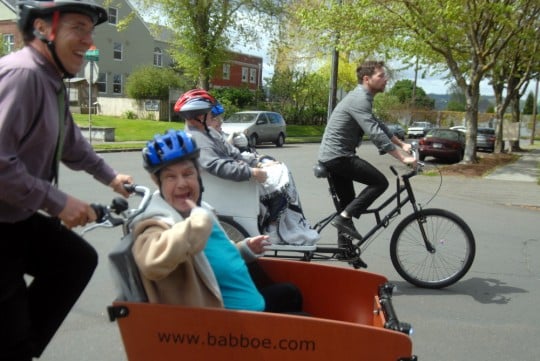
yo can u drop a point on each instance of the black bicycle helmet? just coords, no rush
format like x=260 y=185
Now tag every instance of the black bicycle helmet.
x=29 y=10
x=165 y=149
x=194 y=103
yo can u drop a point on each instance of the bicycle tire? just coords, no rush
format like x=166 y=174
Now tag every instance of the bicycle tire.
x=234 y=230
x=454 y=246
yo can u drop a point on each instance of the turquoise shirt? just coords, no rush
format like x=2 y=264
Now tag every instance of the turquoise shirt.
x=237 y=288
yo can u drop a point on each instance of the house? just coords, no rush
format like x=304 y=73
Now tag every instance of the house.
x=11 y=37
x=119 y=53
x=242 y=71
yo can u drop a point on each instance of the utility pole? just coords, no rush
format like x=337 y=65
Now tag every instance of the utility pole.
x=332 y=97
x=535 y=111
x=92 y=55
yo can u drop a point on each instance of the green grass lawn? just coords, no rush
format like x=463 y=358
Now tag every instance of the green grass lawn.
x=138 y=131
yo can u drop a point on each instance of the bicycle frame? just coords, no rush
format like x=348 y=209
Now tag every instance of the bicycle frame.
x=380 y=221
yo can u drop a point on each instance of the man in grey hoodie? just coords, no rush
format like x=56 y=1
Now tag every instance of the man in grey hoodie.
x=350 y=120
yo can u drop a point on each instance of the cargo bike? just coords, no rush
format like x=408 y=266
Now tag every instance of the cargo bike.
x=350 y=314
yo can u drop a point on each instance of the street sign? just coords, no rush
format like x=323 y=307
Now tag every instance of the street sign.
x=91 y=72
x=92 y=55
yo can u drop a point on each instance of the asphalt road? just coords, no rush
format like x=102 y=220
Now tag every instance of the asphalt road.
x=491 y=314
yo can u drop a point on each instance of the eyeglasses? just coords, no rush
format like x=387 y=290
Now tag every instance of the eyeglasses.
x=80 y=30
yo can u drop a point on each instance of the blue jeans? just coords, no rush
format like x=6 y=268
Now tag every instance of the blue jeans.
x=60 y=263
x=347 y=170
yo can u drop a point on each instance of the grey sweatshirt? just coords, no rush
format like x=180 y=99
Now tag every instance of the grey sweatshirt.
x=351 y=119
x=220 y=158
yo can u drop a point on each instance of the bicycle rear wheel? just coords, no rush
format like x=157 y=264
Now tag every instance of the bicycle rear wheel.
x=453 y=248
x=233 y=229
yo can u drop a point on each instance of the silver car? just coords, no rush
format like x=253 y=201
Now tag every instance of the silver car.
x=258 y=126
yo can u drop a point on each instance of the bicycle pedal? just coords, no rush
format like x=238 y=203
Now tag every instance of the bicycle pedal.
x=359 y=263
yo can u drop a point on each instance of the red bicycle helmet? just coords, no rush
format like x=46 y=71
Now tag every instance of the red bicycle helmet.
x=194 y=103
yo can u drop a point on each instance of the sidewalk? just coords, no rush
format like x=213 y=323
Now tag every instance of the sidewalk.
x=513 y=185
x=525 y=169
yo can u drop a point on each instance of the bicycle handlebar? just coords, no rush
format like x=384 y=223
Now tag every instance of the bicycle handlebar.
x=119 y=206
x=419 y=165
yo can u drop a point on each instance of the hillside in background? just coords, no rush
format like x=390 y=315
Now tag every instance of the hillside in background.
x=441 y=101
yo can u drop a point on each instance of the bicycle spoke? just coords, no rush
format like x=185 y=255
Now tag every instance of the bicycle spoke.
x=453 y=249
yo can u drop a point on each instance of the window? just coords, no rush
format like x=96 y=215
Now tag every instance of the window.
x=226 y=71
x=117 y=51
x=244 y=74
x=8 y=41
x=117 y=83
x=158 y=57
x=252 y=75
x=113 y=16
x=102 y=82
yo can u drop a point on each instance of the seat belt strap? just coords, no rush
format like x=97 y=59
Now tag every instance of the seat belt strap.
x=60 y=140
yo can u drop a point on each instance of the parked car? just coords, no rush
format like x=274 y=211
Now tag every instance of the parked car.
x=397 y=130
x=461 y=128
x=447 y=144
x=485 y=139
x=418 y=129
x=258 y=126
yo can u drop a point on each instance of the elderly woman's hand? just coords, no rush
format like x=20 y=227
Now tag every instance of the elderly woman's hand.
x=258 y=243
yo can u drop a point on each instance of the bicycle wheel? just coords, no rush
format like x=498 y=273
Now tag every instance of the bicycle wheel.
x=234 y=230
x=453 y=248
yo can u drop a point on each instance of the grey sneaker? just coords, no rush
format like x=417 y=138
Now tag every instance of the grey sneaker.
x=346 y=225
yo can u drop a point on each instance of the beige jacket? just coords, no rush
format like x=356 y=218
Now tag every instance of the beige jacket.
x=168 y=252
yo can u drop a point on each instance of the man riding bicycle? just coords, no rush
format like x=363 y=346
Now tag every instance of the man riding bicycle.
x=350 y=120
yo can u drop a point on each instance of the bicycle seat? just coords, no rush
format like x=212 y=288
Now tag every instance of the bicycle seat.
x=319 y=170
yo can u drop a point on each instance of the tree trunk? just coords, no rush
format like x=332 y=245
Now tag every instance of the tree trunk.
x=516 y=116
x=472 y=95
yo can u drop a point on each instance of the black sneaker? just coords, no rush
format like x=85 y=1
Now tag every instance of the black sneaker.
x=346 y=225
x=344 y=240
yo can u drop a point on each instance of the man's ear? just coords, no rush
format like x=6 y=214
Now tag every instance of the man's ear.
x=155 y=179
x=41 y=29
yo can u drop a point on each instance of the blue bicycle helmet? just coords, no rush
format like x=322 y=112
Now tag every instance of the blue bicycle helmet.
x=165 y=149
x=217 y=109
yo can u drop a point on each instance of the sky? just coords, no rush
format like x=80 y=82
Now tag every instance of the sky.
x=430 y=84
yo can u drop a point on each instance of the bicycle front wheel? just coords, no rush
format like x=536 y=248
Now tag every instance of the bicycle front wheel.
x=452 y=248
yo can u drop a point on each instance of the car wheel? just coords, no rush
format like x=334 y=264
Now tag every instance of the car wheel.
x=280 y=140
x=422 y=157
x=253 y=139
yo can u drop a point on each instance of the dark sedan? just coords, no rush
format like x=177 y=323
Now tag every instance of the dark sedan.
x=485 y=139
x=447 y=144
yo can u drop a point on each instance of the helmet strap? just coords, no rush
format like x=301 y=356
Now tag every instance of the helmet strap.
x=51 y=46
x=204 y=123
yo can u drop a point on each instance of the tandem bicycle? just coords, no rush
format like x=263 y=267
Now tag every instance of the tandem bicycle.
x=429 y=248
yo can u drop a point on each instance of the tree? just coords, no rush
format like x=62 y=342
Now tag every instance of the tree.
x=529 y=104
x=150 y=82
x=300 y=94
x=457 y=101
x=468 y=36
x=464 y=36
x=204 y=29
x=403 y=90
x=515 y=66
